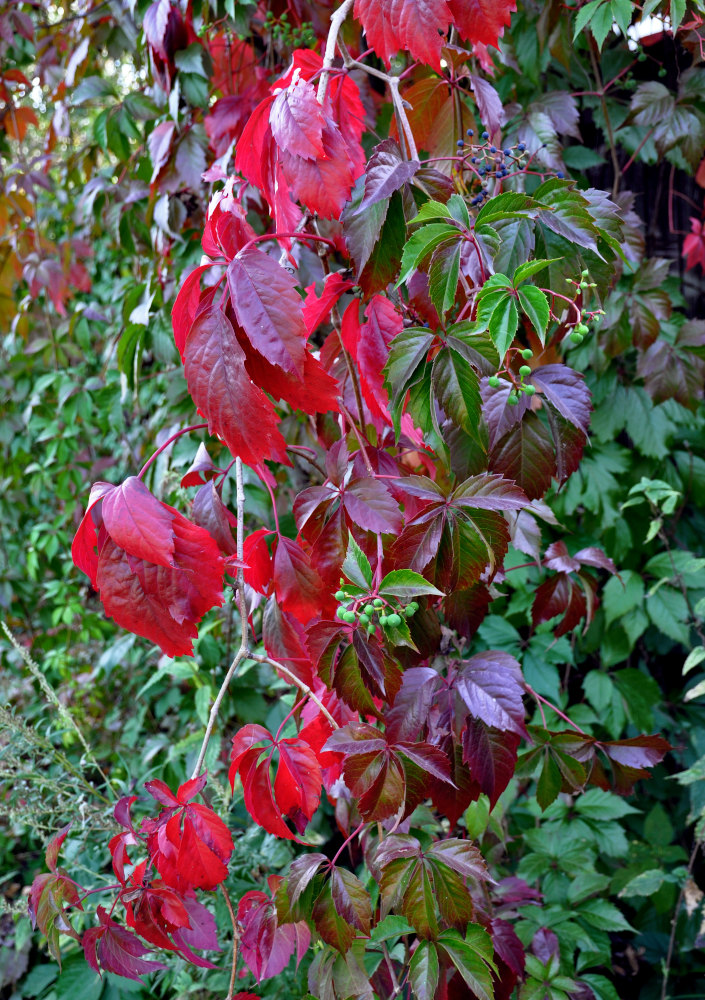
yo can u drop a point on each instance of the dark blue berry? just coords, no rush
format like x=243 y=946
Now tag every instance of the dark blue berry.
x=560 y=175
x=507 y=152
x=470 y=132
x=493 y=149
x=485 y=135
x=521 y=147
x=473 y=159
x=460 y=143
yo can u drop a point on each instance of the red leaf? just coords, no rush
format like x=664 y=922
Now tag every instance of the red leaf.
x=236 y=409
x=323 y=185
x=315 y=309
x=694 y=245
x=482 y=21
x=414 y=25
x=297 y=585
x=316 y=392
x=51 y=855
x=186 y=306
x=196 y=475
x=210 y=512
x=269 y=309
x=258 y=571
x=368 y=343
x=285 y=641
x=157 y=572
x=297 y=787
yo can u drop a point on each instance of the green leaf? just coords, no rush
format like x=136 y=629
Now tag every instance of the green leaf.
x=432 y=210
x=421 y=244
x=503 y=324
x=443 y=276
x=668 y=610
x=694 y=658
x=392 y=926
x=405 y=584
x=459 y=210
x=508 y=205
x=622 y=595
x=604 y=915
x=457 y=388
x=585 y=14
x=549 y=783
x=357 y=566
x=468 y=957
x=423 y=971
x=531 y=267
x=535 y=305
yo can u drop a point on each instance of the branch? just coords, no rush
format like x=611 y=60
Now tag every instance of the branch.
x=329 y=54
x=243 y=651
x=393 y=83
x=302 y=685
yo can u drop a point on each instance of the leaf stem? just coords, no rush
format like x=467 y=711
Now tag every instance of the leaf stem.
x=162 y=447
x=345 y=843
x=236 y=938
x=554 y=708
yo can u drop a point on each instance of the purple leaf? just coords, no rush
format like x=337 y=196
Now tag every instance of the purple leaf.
x=385 y=173
x=372 y=507
x=491 y=685
x=489 y=104
x=565 y=390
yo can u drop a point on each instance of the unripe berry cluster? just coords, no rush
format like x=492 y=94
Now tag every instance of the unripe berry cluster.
x=521 y=387
x=367 y=611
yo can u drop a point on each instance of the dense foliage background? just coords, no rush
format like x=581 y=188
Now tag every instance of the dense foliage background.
x=119 y=120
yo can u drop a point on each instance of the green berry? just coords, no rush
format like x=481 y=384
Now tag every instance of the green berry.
x=369 y=609
x=378 y=602
x=340 y=595
x=349 y=617
x=364 y=619
x=529 y=390
x=576 y=337
x=513 y=399
x=341 y=613
x=394 y=620
x=409 y=610
x=527 y=353
x=371 y=630
x=584 y=284
x=584 y=273
x=525 y=370
x=582 y=329
x=383 y=619
x=494 y=381
x=414 y=605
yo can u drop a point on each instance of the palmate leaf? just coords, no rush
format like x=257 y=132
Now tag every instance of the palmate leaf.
x=385 y=173
x=415 y=881
x=443 y=274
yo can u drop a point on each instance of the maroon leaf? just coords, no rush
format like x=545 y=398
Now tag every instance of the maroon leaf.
x=111 y=948
x=385 y=173
x=491 y=755
x=236 y=409
x=559 y=595
x=297 y=122
x=557 y=558
x=267 y=947
x=371 y=506
x=489 y=104
x=297 y=585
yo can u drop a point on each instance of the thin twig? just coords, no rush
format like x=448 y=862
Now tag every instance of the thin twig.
x=236 y=938
x=674 y=921
x=243 y=651
x=302 y=685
